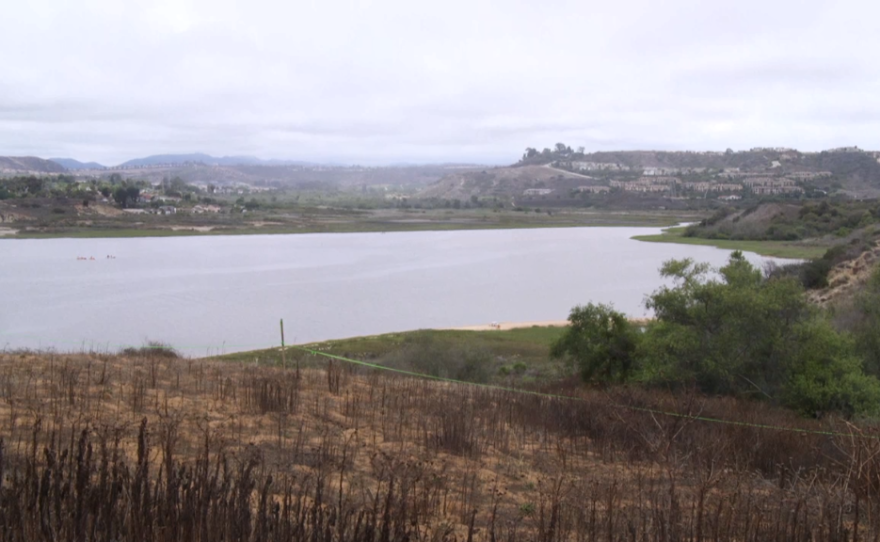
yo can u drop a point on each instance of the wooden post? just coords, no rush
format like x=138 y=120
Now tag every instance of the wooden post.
x=283 y=360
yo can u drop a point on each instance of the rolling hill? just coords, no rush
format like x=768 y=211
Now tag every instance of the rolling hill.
x=28 y=164
x=504 y=181
x=201 y=158
x=74 y=165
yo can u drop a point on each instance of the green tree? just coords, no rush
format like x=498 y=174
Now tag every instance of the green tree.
x=601 y=342
x=866 y=329
x=34 y=185
x=126 y=196
x=739 y=333
x=825 y=374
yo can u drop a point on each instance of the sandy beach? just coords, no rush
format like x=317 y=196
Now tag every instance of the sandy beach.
x=512 y=325
x=503 y=326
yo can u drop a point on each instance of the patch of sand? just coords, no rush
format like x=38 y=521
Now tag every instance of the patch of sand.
x=7 y=231
x=192 y=228
x=504 y=326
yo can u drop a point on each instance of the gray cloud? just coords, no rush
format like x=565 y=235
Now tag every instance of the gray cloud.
x=377 y=81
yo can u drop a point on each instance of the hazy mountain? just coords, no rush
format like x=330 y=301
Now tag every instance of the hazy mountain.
x=201 y=158
x=72 y=164
x=28 y=164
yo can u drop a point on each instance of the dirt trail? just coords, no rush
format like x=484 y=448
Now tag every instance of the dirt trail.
x=565 y=172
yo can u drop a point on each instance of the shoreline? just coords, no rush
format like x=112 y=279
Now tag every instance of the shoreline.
x=506 y=326
x=772 y=249
x=206 y=231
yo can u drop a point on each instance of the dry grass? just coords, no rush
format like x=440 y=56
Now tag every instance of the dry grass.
x=152 y=447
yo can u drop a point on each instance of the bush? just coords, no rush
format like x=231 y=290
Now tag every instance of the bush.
x=866 y=330
x=424 y=354
x=748 y=335
x=600 y=342
x=152 y=349
x=826 y=376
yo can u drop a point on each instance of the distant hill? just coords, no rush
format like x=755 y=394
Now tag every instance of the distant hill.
x=72 y=164
x=201 y=158
x=305 y=177
x=857 y=171
x=28 y=164
x=504 y=181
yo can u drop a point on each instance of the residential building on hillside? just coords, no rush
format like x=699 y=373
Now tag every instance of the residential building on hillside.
x=598 y=166
x=804 y=175
x=770 y=190
x=713 y=187
x=768 y=181
x=593 y=189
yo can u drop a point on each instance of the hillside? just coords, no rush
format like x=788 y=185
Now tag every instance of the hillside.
x=505 y=182
x=850 y=170
x=75 y=165
x=201 y=158
x=150 y=447
x=781 y=221
x=302 y=177
x=28 y=164
x=847 y=278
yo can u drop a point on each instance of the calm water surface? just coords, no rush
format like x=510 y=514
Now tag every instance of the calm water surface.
x=214 y=294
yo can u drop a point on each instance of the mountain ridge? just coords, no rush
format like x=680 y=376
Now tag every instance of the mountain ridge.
x=207 y=159
x=29 y=164
x=73 y=164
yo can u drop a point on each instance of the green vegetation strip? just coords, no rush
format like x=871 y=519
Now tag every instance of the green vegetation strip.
x=348 y=227
x=570 y=398
x=776 y=249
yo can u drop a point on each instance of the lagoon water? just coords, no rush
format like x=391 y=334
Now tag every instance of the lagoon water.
x=207 y=295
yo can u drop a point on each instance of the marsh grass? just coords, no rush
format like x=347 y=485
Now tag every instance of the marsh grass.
x=778 y=249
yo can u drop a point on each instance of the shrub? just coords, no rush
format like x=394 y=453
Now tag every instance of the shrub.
x=748 y=335
x=423 y=353
x=152 y=349
x=600 y=342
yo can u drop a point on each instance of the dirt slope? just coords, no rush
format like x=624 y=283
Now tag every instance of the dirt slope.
x=846 y=278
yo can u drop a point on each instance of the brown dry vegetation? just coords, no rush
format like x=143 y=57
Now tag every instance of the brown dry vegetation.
x=847 y=278
x=147 y=447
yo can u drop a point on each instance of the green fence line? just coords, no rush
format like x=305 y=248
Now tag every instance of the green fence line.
x=570 y=398
x=502 y=388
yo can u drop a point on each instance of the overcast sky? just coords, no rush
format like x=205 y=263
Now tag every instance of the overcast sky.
x=381 y=81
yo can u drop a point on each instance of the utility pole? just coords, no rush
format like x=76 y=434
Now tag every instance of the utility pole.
x=283 y=360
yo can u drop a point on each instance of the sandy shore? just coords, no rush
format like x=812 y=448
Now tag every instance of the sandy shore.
x=192 y=228
x=7 y=231
x=541 y=323
x=513 y=325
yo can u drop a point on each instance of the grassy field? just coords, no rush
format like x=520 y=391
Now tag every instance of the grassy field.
x=510 y=357
x=779 y=249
